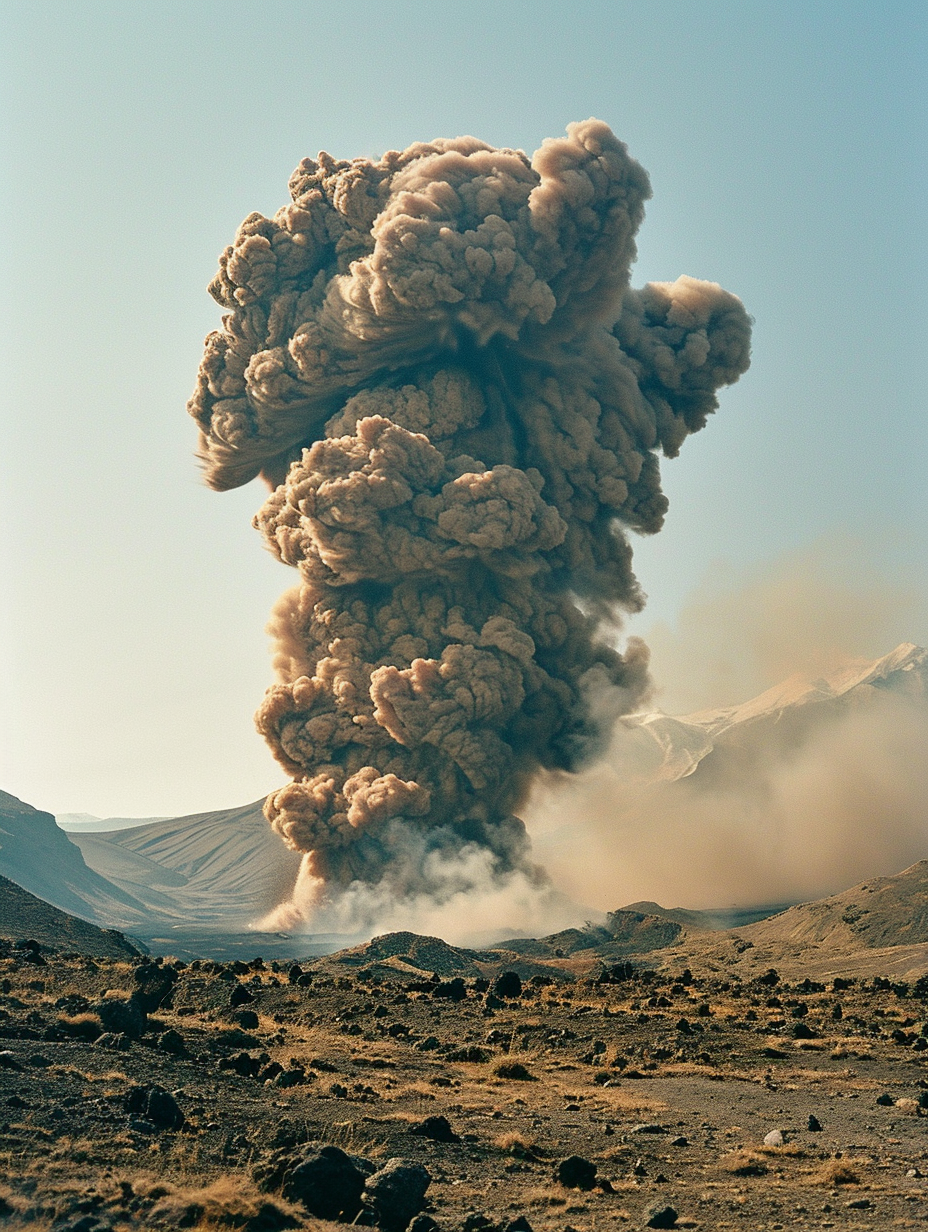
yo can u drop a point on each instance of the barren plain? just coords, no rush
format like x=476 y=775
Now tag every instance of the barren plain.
x=510 y=1092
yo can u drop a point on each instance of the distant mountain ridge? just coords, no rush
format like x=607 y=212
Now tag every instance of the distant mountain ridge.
x=230 y=860
x=37 y=855
x=877 y=928
x=673 y=747
x=88 y=823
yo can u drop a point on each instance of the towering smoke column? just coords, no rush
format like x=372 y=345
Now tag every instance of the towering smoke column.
x=438 y=365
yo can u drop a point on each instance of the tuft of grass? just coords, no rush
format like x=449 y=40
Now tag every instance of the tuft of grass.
x=789 y=1150
x=81 y=1026
x=514 y=1071
x=518 y=1145
x=837 y=1172
x=229 y=1202
x=744 y=1163
x=348 y=1135
x=544 y=1196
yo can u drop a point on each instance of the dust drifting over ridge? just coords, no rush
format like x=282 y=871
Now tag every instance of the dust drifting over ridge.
x=437 y=363
x=818 y=783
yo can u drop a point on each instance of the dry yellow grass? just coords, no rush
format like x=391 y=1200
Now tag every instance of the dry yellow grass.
x=521 y=1146
x=838 y=1172
x=230 y=1202
x=744 y=1163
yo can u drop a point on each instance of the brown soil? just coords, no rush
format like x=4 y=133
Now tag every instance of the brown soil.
x=667 y=1084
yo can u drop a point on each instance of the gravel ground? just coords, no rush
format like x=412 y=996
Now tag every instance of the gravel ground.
x=138 y=1094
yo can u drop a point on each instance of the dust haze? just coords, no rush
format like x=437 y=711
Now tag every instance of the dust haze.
x=777 y=816
x=807 y=611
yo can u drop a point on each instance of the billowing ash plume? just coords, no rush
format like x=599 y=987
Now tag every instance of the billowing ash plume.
x=437 y=363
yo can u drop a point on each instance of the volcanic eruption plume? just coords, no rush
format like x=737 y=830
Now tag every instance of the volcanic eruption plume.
x=438 y=365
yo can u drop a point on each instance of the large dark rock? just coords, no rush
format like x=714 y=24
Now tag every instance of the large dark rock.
x=450 y=990
x=154 y=1104
x=575 y=1172
x=121 y=1016
x=240 y=996
x=438 y=1128
x=660 y=1215
x=326 y=1182
x=154 y=985
x=397 y=1192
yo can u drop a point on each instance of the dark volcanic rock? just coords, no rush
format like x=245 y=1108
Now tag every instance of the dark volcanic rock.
x=154 y=985
x=575 y=1172
x=507 y=985
x=660 y=1215
x=156 y=1105
x=327 y=1182
x=438 y=1128
x=452 y=990
x=121 y=1016
x=397 y=1192
x=172 y=1041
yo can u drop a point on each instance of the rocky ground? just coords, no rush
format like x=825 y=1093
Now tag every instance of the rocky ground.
x=139 y=1094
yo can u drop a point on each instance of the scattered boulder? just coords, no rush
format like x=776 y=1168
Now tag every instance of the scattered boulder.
x=154 y=1104
x=121 y=1015
x=438 y=1128
x=423 y=1223
x=515 y=1071
x=171 y=1041
x=476 y=1221
x=240 y=996
x=327 y=1182
x=290 y=1077
x=397 y=1193
x=242 y=1063
x=154 y=985
x=660 y=1215
x=450 y=990
x=576 y=1172
x=471 y=1054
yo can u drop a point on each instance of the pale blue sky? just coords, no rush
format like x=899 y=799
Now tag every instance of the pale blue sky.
x=786 y=143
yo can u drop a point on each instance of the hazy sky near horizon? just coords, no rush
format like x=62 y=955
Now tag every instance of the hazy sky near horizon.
x=786 y=146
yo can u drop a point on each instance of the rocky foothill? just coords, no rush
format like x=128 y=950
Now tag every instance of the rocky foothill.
x=140 y=1093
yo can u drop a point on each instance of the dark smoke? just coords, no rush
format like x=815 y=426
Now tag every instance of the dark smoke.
x=437 y=363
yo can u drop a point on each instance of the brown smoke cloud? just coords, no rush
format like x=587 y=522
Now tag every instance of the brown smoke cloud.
x=437 y=363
